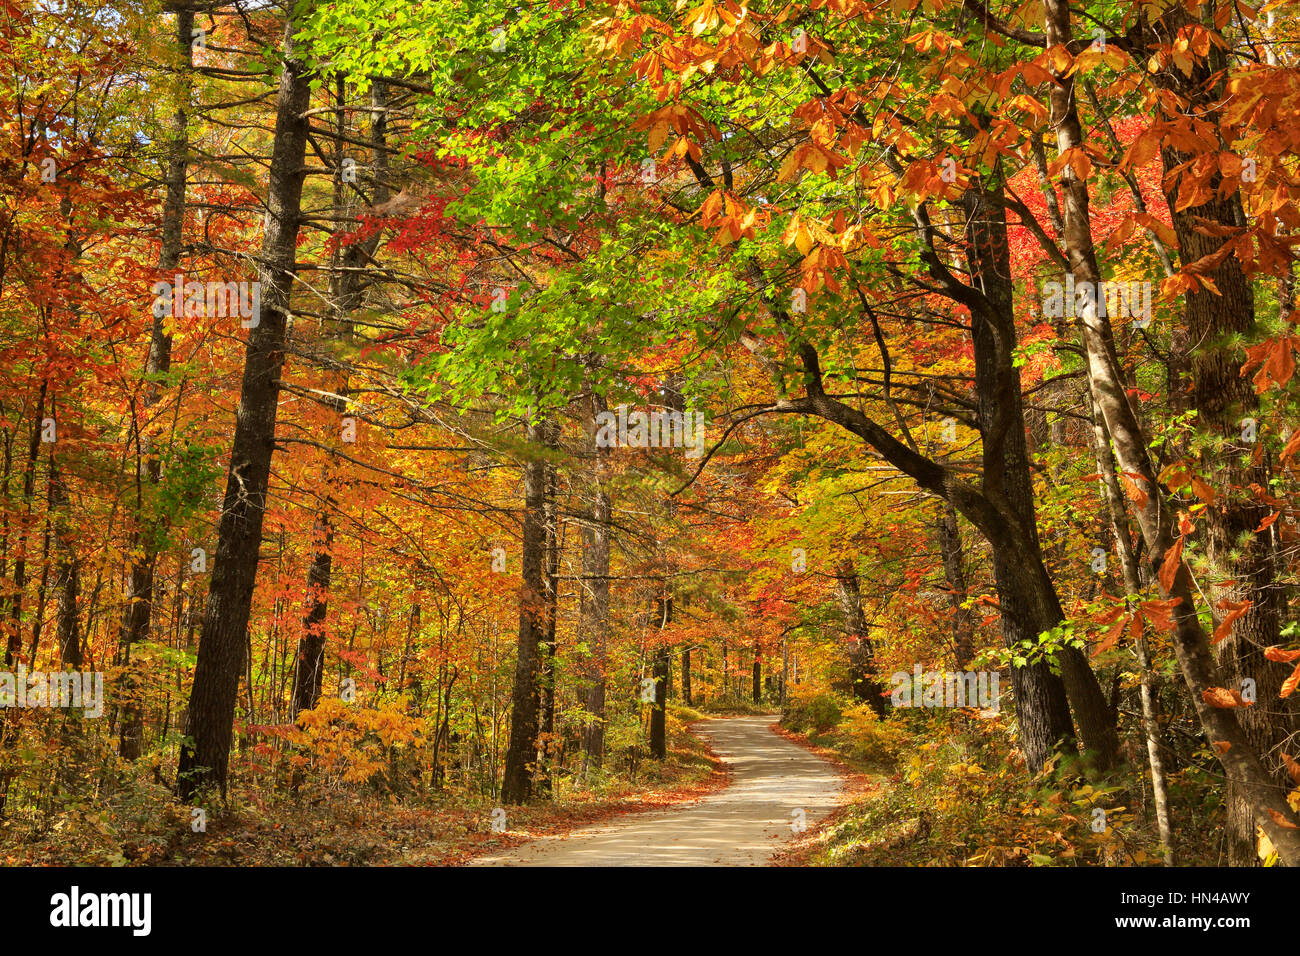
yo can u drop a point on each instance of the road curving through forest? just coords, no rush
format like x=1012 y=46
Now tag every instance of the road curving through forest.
x=774 y=784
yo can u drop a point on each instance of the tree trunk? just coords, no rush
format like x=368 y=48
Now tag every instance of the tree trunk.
x=954 y=569
x=139 y=611
x=521 y=753
x=686 y=676
x=204 y=758
x=659 y=712
x=864 y=682
x=1025 y=591
x=1222 y=398
x=593 y=608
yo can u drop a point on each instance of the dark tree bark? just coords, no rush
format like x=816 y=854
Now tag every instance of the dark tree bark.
x=686 y=676
x=309 y=665
x=1025 y=591
x=205 y=756
x=954 y=569
x=1222 y=398
x=659 y=671
x=521 y=752
x=864 y=683
x=67 y=573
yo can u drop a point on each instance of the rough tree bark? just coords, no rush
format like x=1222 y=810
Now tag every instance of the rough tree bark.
x=205 y=755
x=521 y=752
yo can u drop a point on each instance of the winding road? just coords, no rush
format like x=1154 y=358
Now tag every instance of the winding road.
x=774 y=786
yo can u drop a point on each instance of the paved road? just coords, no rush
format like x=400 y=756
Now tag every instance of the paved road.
x=741 y=825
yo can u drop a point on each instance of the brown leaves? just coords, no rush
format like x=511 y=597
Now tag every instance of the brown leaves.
x=1292 y=767
x=1281 y=820
x=1223 y=698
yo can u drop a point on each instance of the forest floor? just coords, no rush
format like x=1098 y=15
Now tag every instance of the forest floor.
x=778 y=790
x=135 y=820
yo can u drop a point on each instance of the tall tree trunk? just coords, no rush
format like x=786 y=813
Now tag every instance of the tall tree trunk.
x=659 y=711
x=546 y=683
x=954 y=569
x=1133 y=585
x=593 y=607
x=67 y=575
x=139 y=611
x=1216 y=322
x=864 y=682
x=1025 y=591
x=686 y=676
x=521 y=753
x=309 y=665
x=204 y=758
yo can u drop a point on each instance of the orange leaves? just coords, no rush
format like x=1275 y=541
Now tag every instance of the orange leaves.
x=1169 y=566
x=1291 y=683
x=1223 y=698
x=676 y=118
x=1281 y=820
x=813 y=157
x=1133 y=490
x=1236 y=610
x=1178 y=475
x=1279 y=656
x=1275 y=360
x=1292 y=767
x=731 y=217
x=1159 y=614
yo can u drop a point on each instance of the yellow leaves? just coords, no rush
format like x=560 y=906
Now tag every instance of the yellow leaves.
x=1059 y=59
x=353 y=741
x=813 y=157
x=798 y=234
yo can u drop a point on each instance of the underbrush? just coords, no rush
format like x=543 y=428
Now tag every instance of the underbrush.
x=345 y=794
x=954 y=791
